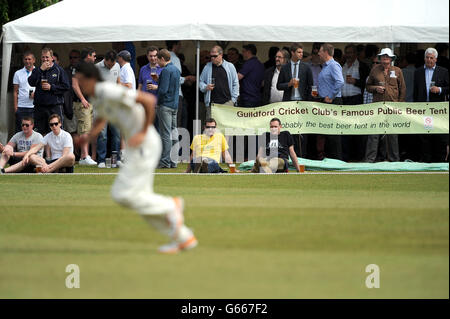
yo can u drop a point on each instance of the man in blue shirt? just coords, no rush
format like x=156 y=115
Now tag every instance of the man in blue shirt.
x=168 y=89
x=330 y=83
x=251 y=76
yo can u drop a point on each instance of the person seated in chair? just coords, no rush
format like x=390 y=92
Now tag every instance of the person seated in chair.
x=275 y=147
x=59 y=149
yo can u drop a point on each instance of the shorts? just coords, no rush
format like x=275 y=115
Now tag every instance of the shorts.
x=14 y=160
x=84 y=117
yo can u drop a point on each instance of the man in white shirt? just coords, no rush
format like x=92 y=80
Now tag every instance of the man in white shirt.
x=127 y=77
x=23 y=92
x=133 y=112
x=59 y=143
x=13 y=152
x=110 y=71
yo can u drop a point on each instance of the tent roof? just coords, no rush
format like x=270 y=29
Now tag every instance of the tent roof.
x=377 y=21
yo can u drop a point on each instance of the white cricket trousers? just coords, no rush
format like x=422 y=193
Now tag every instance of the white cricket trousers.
x=133 y=186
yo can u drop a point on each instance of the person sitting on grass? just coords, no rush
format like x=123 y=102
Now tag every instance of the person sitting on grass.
x=207 y=150
x=13 y=152
x=275 y=147
x=60 y=147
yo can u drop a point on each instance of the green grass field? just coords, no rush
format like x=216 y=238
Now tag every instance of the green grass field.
x=261 y=236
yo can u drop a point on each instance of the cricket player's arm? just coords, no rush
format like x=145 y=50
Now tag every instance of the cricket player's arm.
x=148 y=102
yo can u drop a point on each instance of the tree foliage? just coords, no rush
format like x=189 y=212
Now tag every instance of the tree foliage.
x=12 y=9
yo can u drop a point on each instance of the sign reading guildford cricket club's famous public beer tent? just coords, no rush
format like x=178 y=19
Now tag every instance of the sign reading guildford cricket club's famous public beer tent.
x=365 y=21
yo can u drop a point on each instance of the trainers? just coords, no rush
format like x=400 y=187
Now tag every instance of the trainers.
x=87 y=161
x=175 y=247
x=101 y=165
x=119 y=164
x=176 y=218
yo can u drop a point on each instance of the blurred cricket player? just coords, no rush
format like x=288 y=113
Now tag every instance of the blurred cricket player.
x=133 y=113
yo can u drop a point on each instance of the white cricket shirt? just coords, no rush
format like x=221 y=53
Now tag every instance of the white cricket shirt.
x=109 y=75
x=117 y=104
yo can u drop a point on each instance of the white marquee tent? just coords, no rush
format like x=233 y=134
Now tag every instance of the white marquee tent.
x=364 y=21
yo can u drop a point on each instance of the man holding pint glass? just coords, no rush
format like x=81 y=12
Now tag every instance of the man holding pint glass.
x=386 y=83
x=51 y=82
x=296 y=80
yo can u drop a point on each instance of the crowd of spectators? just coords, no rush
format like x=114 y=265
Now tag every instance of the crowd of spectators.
x=358 y=75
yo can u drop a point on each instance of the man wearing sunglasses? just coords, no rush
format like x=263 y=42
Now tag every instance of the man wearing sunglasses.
x=60 y=146
x=13 y=152
x=225 y=88
x=207 y=150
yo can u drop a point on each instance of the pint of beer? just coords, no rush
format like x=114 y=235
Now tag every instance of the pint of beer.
x=296 y=81
x=43 y=80
x=314 y=92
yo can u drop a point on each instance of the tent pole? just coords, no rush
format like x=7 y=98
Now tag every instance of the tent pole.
x=5 y=111
x=197 y=125
x=393 y=51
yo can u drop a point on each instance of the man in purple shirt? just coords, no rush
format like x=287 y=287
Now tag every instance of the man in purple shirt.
x=251 y=76
x=147 y=82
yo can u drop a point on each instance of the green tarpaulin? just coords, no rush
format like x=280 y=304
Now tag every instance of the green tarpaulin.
x=335 y=165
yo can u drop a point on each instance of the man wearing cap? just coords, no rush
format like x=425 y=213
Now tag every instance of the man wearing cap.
x=127 y=77
x=386 y=83
x=251 y=76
